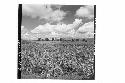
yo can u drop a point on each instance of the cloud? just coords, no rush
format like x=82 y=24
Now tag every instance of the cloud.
x=59 y=29
x=66 y=28
x=36 y=10
x=22 y=27
x=56 y=16
x=86 y=11
x=24 y=33
x=43 y=29
x=43 y=12
x=63 y=30
x=24 y=30
x=87 y=29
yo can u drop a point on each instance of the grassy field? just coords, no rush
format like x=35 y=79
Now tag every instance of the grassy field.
x=69 y=60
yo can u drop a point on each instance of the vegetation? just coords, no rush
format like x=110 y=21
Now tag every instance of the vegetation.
x=57 y=60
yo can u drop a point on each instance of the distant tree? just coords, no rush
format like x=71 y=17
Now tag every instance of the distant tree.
x=46 y=39
x=58 y=40
x=72 y=39
x=42 y=39
x=52 y=39
x=69 y=40
x=77 y=39
x=83 y=39
x=39 y=39
x=61 y=39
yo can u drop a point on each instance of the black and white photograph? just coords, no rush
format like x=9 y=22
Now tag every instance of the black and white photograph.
x=56 y=41
x=62 y=41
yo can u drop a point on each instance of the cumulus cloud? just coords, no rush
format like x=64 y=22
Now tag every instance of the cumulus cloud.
x=23 y=30
x=59 y=29
x=87 y=29
x=63 y=30
x=86 y=11
x=24 y=33
x=66 y=28
x=43 y=12
x=56 y=16
x=43 y=29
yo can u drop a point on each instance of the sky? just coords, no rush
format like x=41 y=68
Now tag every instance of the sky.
x=58 y=19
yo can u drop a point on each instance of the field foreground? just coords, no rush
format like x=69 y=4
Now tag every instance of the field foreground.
x=58 y=60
